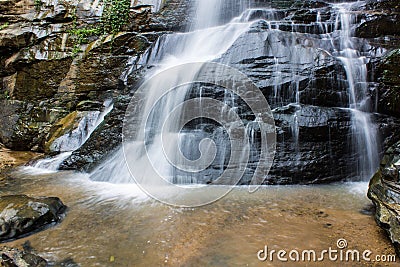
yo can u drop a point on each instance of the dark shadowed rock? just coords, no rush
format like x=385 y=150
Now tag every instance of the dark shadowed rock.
x=389 y=87
x=25 y=126
x=382 y=19
x=21 y=215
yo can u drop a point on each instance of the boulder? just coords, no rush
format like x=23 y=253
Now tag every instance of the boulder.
x=384 y=191
x=21 y=215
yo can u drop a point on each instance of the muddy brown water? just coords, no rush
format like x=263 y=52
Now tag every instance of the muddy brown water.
x=118 y=225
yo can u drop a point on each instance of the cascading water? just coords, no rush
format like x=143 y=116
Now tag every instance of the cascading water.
x=74 y=139
x=365 y=139
x=206 y=42
x=280 y=53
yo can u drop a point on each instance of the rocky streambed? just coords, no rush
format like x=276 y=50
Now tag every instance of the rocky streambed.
x=21 y=215
x=118 y=225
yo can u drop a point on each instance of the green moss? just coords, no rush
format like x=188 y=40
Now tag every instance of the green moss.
x=5 y=25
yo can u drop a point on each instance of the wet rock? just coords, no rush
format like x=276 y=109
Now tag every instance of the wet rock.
x=312 y=144
x=270 y=62
x=389 y=87
x=38 y=81
x=15 y=37
x=105 y=139
x=21 y=215
x=384 y=191
x=382 y=19
x=174 y=16
x=68 y=133
x=25 y=126
x=12 y=257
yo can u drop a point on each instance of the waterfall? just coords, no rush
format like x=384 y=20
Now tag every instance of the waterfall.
x=206 y=41
x=74 y=139
x=240 y=34
x=364 y=133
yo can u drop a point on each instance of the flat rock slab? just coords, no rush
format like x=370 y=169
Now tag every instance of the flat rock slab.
x=21 y=215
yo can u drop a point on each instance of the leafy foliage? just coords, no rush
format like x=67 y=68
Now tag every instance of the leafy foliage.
x=38 y=4
x=81 y=37
x=115 y=15
x=5 y=25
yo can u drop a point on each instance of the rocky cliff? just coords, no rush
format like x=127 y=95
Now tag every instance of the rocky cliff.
x=59 y=58
x=384 y=188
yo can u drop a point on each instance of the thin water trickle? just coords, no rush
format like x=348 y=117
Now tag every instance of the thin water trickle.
x=73 y=140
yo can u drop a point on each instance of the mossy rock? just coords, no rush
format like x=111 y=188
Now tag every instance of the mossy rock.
x=64 y=126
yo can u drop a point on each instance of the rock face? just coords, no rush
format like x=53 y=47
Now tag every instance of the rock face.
x=389 y=89
x=384 y=188
x=384 y=191
x=52 y=61
x=21 y=215
x=382 y=19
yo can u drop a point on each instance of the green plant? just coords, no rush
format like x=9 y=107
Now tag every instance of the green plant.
x=82 y=34
x=115 y=15
x=5 y=25
x=38 y=4
x=81 y=37
x=76 y=50
x=5 y=95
